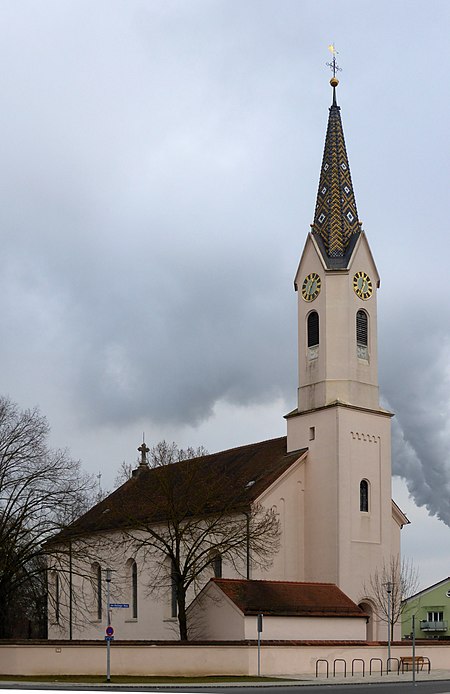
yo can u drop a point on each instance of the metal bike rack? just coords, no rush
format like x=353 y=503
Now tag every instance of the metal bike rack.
x=358 y=660
x=376 y=660
x=339 y=660
x=322 y=660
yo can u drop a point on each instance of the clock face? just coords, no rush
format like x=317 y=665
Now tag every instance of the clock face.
x=362 y=284
x=311 y=286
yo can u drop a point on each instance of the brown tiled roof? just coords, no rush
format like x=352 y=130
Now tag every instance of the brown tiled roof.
x=288 y=598
x=229 y=480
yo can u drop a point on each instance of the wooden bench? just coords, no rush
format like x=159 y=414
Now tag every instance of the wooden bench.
x=419 y=660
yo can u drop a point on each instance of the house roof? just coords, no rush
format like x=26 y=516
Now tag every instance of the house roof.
x=424 y=591
x=288 y=598
x=226 y=481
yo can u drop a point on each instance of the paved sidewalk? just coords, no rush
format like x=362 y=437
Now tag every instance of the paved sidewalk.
x=301 y=680
x=421 y=676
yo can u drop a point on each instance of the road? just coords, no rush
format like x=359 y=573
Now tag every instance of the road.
x=431 y=687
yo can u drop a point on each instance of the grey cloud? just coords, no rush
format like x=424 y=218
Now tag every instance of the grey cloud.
x=159 y=169
x=417 y=386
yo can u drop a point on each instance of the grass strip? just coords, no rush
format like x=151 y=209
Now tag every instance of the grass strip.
x=136 y=679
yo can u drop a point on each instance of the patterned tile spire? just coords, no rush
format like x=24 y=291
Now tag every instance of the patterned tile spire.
x=336 y=224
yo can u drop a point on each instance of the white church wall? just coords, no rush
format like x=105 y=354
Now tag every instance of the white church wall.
x=213 y=616
x=194 y=659
x=307 y=628
x=366 y=536
x=286 y=495
x=154 y=598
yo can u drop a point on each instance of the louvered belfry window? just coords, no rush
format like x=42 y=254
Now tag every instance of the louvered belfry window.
x=313 y=329
x=361 y=328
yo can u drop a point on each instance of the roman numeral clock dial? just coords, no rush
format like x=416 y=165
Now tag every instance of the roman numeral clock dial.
x=362 y=284
x=311 y=287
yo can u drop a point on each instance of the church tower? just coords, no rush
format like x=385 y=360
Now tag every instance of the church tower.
x=350 y=526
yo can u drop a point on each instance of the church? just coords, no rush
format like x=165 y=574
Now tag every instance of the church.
x=327 y=482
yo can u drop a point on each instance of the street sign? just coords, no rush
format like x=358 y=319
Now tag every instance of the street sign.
x=109 y=638
x=109 y=631
x=259 y=623
x=119 y=604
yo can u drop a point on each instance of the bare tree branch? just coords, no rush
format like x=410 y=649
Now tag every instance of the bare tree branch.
x=41 y=490
x=400 y=577
x=198 y=515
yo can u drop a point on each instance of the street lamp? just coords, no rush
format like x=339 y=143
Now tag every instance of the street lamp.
x=389 y=591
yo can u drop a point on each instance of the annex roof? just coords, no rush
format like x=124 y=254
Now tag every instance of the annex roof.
x=226 y=481
x=288 y=598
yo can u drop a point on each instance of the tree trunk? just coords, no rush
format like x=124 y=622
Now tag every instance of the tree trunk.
x=182 y=620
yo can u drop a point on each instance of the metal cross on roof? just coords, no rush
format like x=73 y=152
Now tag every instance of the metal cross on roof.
x=333 y=65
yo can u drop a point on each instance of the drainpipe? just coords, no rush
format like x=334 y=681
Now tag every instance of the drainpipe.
x=70 y=592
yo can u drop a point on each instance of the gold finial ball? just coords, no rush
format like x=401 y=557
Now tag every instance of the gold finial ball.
x=334 y=81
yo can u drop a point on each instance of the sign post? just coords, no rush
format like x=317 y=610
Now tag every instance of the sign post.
x=259 y=625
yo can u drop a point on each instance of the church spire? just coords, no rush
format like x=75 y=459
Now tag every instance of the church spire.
x=336 y=226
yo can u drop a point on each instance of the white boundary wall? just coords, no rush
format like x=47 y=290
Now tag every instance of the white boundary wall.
x=74 y=658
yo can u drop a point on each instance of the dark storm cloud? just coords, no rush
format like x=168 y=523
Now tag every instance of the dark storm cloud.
x=136 y=213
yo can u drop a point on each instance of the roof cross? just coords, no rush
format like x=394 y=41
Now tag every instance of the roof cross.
x=143 y=450
x=333 y=65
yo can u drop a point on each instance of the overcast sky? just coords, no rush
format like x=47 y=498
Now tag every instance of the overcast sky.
x=158 y=173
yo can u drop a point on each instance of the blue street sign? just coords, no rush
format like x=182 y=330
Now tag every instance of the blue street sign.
x=119 y=604
x=109 y=638
x=109 y=631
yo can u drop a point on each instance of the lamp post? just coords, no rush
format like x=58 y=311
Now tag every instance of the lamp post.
x=389 y=591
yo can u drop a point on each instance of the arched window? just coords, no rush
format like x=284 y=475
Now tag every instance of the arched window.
x=173 y=593
x=97 y=571
x=362 y=331
x=216 y=563
x=134 y=590
x=57 y=597
x=313 y=334
x=364 y=496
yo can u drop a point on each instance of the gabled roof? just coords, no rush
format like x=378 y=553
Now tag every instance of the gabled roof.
x=428 y=590
x=288 y=598
x=229 y=480
x=336 y=226
x=399 y=516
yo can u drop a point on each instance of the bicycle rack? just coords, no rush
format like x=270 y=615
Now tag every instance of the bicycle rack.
x=322 y=660
x=339 y=660
x=388 y=665
x=358 y=660
x=376 y=660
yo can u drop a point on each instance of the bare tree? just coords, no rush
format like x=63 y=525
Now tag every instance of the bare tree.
x=124 y=473
x=199 y=516
x=41 y=490
x=389 y=587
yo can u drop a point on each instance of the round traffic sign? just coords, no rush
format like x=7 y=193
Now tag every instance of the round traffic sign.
x=109 y=631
